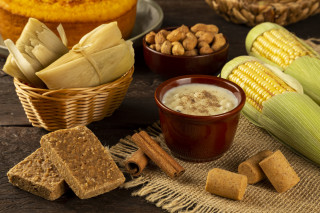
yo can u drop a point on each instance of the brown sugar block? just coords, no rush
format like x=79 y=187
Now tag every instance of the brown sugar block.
x=279 y=172
x=226 y=184
x=251 y=167
x=82 y=161
x=37 y=175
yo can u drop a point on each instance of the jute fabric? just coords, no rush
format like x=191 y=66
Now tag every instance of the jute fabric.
x=187 y=193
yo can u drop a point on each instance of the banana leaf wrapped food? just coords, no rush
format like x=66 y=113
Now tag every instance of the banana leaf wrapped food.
x=275 y=101
x=274 y=44
x=101 y=56
x=36 y=48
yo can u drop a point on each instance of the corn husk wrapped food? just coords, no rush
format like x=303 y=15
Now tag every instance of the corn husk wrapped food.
x=276 y=45
x=36 y=48
x=275 y=102
x=101 y=56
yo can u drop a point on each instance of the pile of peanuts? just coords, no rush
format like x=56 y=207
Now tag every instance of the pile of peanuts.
x=200 y=39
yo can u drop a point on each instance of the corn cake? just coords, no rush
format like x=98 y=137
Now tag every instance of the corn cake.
x=82 y=161
x=37 y=175
x=77 y=17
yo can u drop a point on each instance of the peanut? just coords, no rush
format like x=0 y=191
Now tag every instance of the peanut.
x=177 y=48
x=165 y=32
x=166 y=47
x=158 y=47
x=160 y=38
x=203 y=44
x=219 y=42
x=205 y=36
x=183 y=29
x=190 y=42
x=204 y=27
x=176 y=35
x=153 y=46
x=205 y=50
x=193 y=52
x=150 y=37
x=200 y=39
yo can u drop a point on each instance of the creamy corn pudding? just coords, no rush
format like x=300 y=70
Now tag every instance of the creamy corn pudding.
x=200 y=99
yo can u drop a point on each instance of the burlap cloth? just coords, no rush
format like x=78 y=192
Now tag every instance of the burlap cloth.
x=187 y=193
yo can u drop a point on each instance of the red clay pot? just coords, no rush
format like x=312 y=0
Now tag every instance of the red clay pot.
x=171 y=66
x=198 y=138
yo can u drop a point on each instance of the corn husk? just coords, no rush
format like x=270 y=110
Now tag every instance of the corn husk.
x=36 y=48
x=305 y=69
x=101 y=56
x=292 y=117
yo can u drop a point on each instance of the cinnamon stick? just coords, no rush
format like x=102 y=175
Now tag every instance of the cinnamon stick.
x=160 y=157
x=136 y=163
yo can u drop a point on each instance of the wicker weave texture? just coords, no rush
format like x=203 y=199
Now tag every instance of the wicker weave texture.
x=253 y=12
x=66 y=108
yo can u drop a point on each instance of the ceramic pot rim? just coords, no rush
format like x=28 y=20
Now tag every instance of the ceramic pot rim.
x=194 y=79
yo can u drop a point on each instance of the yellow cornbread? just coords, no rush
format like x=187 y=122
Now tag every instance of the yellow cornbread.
x=78 y=17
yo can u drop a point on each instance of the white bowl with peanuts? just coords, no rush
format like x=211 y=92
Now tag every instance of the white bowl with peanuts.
x=199 y=49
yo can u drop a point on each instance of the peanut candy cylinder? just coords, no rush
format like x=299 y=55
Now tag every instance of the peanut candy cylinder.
x=251 y=168
x=279 y=172
x=226 y=184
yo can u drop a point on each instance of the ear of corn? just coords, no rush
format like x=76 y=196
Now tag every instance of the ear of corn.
x=276 y=103
x=277 y=46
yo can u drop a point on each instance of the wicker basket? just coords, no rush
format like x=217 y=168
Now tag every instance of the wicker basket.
x=66 y=108
x=253 y=12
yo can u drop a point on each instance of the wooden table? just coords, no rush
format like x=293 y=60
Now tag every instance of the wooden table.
x=18 y=138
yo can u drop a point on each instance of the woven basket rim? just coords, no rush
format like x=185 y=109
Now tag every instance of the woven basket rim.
x=252 y=13
x=274 y=4
x=74 y=93
x=268 y=2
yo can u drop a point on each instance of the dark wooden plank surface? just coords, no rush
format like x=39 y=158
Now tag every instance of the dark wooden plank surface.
x=18 y=138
